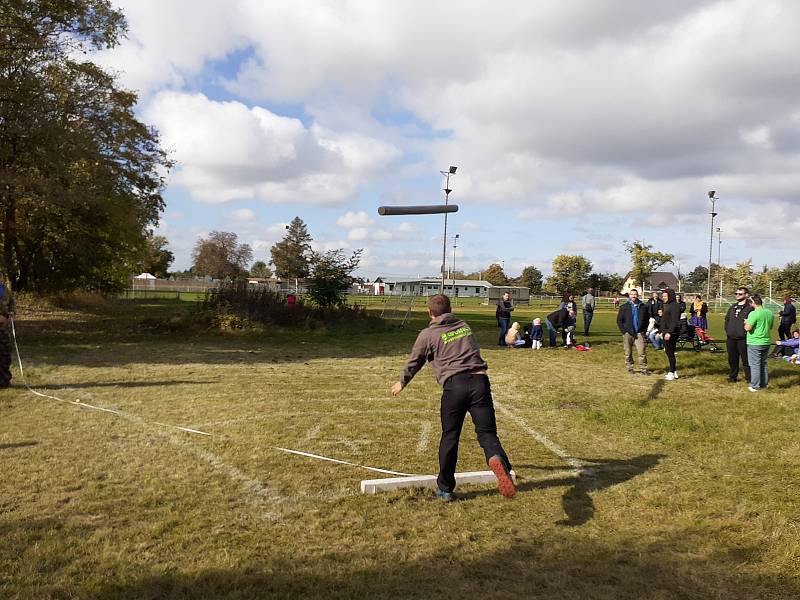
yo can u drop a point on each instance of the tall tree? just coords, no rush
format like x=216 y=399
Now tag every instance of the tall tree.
x=494 y=274
x=531 y=278
x=570 y=273
x=696 y=280
x=291 y=255
x=80 y=176
x=606 y=282
x=156 y=257
x=645 y=260
x=331 y=276
x=787 y=280
x=220 y=255
x=261 y=270
x=743 y=274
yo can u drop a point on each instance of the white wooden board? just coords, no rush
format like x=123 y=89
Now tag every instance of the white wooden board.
x=373 y=486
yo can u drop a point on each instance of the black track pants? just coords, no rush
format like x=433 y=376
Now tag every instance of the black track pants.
x=737 y=349
x=466 y=393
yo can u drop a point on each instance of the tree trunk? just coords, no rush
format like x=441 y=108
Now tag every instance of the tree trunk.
x=10 y=240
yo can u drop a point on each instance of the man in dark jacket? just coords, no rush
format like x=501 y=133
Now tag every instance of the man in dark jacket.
x=654 y=304
x=448 y=344
x=6 y=314
x=555 y=320
x=736 y=335
x=788 y=317
x=503 y=314
x=632 y=320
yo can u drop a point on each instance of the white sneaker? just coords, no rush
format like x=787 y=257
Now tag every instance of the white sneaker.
x=669 y=376
x=675 y=374
x=751 y=388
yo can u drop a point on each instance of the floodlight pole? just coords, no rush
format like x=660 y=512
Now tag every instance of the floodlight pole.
x=713 y=197
x=447 y=190
x=719 y=259
x=455 y=245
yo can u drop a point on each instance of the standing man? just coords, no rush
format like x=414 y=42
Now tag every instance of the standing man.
x=654 y=304
x=737 y=336
x=759 y=327
x=788 y=317
x=588 y=302
x=6 y=314
x=503 y=313
x=632 y=320
x=448 y=344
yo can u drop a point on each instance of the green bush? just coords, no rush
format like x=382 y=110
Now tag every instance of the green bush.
x=239 y=305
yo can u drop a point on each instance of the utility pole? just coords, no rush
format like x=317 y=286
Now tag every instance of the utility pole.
x=455 y=245
x=719 y=260
x=713 y=197
x=447 y=190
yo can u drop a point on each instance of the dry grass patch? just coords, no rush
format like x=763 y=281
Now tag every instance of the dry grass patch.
x=688 y=490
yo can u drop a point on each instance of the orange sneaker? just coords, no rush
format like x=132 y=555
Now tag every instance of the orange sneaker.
x=504 y=481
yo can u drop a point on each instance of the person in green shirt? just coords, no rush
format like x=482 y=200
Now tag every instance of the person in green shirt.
x=759 y=339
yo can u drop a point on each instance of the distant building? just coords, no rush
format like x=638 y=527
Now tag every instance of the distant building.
x=428 y=286
x=658 y=280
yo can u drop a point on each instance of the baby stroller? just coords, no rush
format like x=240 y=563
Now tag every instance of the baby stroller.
x=701 y=339
x=686 y=335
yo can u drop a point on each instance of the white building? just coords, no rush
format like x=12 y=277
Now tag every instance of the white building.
x=428 y=286
x=658 y=280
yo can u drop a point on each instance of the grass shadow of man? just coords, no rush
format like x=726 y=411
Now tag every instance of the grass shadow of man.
x=597 y=474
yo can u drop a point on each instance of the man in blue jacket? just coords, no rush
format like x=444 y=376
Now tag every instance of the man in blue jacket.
x=632 y=320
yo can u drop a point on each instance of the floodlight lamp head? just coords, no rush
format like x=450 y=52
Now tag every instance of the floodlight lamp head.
x=712 y=194
x=453 y=170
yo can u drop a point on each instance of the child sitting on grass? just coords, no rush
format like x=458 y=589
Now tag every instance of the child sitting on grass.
x=514 y=337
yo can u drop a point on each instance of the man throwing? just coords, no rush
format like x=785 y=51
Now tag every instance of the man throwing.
x=448 y=344
x=632 y=320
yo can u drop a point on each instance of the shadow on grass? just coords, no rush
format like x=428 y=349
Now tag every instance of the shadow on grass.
x=597 y=474
x=18 y=445
x=549 y=567
x=658 y=387
x=121 y=384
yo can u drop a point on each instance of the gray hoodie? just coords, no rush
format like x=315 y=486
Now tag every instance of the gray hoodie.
x=448 y=344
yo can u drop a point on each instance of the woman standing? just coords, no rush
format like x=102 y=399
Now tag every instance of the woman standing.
x=670 y=328
x=699 y=312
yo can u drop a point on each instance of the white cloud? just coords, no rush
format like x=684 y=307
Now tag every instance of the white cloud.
x=243 y=215
x=551 y=110
x=382 y=235
x=354 y=219
x=358 y=234
x=227 y=151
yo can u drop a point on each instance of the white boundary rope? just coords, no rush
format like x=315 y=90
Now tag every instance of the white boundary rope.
x=79 y=402
x=342 y=462
x=186 y=429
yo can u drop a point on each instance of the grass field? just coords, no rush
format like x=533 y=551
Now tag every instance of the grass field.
x=691 y=489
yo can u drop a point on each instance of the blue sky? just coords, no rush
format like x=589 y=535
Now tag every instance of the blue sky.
x=575 y=126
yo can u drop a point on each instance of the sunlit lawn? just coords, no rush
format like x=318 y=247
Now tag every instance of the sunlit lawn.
x=691 y=491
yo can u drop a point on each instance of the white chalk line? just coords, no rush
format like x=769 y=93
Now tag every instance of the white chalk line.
x=424 y=437
x=80 y=403
x=342 y=462
x=540 y=437
x=326 y=412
